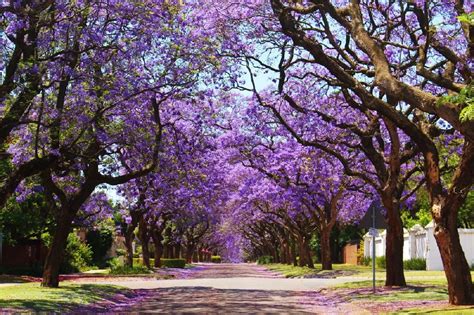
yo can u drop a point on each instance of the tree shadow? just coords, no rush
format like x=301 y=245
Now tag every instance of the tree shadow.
x=63 y=299
x=204 y=300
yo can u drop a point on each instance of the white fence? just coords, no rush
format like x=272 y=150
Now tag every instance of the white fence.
x=420 y=243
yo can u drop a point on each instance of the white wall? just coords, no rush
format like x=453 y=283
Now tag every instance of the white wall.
x=419 y=242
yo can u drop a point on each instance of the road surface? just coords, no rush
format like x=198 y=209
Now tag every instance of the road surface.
x=230 y=289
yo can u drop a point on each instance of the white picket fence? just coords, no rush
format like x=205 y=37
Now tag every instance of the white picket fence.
x=420 y=243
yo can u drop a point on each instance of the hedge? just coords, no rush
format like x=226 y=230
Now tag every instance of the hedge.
x=173 y=263
x=415 y=264
x=216 y=259
x=263 y=260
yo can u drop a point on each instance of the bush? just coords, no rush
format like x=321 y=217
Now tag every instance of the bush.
x=264 y=260
x=380 y=262
x=216 y=259
x=415 y=264
x=472 y=267
x=125 y=270
x=100 y=242
x=365 y=261
x=139 y=261
x=77 y=255
x=173 y=263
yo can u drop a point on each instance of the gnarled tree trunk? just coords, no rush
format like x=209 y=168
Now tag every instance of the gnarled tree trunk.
x=444 y=208
x=56 y=251
x=394 y=245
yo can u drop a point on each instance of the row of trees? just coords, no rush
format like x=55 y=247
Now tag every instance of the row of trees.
x=346 y=101
x=385 y=88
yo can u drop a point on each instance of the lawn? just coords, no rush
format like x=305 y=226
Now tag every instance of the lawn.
x=356 y=271
x=33 y=298
x=426 y=291
x=339 y=270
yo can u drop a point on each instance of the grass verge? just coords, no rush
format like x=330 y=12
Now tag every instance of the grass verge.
x=31 y=297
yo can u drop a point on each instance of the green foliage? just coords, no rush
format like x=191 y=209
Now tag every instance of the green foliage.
x=139 y=261
x=77 y=256
x=100 y=241
x=380 y=262
x=216 y=259
x=422 y=217
x=264 y=260
x=173 y=263
x=415 y=264
x=126 y=270
x=25 y=220
x=465 y=98
x=422 y=213
x=467 y=18
x=466 y=212
x=365 y=261
x=120 y=252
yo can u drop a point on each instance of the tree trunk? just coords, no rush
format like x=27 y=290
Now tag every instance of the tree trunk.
x=129 y=247
x=157 y=243
x=302 y=252
x=200 y=255
x=189 y=253
x=146 y=255
x=293 y=252
x=145 y=239
x=158 y=254
x=56 y=251
x=326 y=260
x=394 y=245
x=444 y=209
x=456 y=268
x=177 y=250
x=307 y=250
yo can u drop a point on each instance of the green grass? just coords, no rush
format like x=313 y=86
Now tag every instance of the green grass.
x=425 y=293
x=290 y=271
x=452 y=310
x=33 y=298
x=357 y=271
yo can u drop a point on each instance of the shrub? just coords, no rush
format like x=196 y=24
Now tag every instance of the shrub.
x=365 y=261
x=139 y=261
x=173 y=263
x=264 y=260
x=380 y=262
x=216 y=259
x=415 y=264
x=126 y=270
x=472 y=267
x=77 y=256
x=100 y=242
